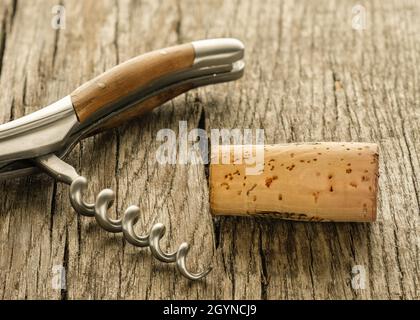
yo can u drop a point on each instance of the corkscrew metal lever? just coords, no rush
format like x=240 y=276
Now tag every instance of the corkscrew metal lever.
x=39 y=141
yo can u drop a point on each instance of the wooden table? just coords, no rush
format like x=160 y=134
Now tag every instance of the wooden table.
x=310 y=77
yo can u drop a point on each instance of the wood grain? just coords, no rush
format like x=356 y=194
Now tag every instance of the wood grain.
x=128 y=77
x=141 y=108
x=309 y=77
x=327 y=181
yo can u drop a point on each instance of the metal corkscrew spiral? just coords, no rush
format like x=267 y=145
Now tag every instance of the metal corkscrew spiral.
x=64 y=172
x=125 y=225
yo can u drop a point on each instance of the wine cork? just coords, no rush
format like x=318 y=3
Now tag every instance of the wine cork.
x=325 y=181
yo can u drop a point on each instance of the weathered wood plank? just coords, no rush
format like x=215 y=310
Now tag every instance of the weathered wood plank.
x=27 y=212
x=309 y=77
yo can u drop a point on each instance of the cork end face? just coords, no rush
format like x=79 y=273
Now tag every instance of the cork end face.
x=375 y=184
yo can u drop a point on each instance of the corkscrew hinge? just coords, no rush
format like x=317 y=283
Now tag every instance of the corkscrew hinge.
x=65 y=173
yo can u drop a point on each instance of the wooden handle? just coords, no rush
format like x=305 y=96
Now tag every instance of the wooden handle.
x=312 y=182
x=128 y=77
x=141 y=108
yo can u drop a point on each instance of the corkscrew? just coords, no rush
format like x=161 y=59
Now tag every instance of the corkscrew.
x=39 y=141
